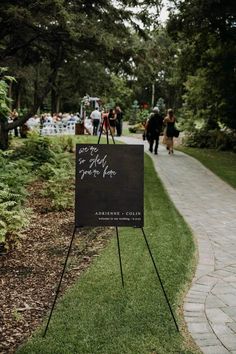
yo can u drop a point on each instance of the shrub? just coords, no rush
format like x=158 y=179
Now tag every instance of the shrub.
x=132 y=129
x=66 y=143
x=137 y=128
x=216 y=139
x=58 y=189
x=63 y=144
x=13 y=179
x=12 y=218
x=15 y=174
x=127 y=114
x=60 y=161
x=142 y=115
x=36 y=149
x=70 y=144
x=46 y=171
x=58 y=174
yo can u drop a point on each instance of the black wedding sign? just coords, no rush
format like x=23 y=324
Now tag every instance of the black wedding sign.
x=109 y=185
x=109 y=192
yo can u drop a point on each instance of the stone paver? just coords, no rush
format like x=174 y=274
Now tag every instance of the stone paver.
x=209 y=206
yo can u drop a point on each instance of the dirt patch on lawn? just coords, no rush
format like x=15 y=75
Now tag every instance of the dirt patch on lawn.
x=29 y=274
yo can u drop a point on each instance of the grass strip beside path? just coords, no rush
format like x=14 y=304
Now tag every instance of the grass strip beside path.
x=97 y=316
x=222 y=163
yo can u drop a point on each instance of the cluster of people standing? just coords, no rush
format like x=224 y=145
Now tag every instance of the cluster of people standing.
x=107 y=120
x=154 y=127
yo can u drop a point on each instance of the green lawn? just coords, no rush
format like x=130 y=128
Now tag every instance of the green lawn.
x=98 y=316
x=222 y=163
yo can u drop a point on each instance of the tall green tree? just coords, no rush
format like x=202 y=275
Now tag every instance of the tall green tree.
x=5 y=103
x=48 y=34
x=154 y=64
x=206 y=35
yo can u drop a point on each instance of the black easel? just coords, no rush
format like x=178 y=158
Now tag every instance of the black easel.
x=60 y=281
x=158 y=276
x=156 y=270
x=106 y=123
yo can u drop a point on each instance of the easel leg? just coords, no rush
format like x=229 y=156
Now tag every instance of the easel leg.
x=60 y=281
x=100 y=133
x=107 y=134
x=158 y=275
x=106 y=123
x=118 y=244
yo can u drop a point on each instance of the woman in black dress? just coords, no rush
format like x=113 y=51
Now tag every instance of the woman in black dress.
x=112 y=120
x=170 y=130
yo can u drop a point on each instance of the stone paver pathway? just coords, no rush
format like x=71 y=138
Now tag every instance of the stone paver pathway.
x=209 y=206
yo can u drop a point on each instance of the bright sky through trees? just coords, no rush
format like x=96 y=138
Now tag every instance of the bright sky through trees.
x=164 y=12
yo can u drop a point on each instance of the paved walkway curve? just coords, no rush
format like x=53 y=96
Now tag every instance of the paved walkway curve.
x=209 y=207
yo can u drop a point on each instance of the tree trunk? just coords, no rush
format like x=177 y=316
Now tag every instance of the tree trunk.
x=53 y=101
x=18 y=95
x=3 y=135
x=10 y=95
x=36 y=84
x=153 y=95
x=58 y=104
x=5 y=126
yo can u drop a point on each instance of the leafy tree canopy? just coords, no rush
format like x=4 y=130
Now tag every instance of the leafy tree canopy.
x=206 y=33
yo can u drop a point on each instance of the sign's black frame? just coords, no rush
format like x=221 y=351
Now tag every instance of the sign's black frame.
x=109 y=185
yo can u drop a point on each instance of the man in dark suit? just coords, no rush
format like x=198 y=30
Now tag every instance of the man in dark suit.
x=154 y=128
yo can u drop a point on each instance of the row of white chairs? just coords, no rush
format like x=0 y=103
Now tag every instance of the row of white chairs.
x=58 y=129
x=62 y=128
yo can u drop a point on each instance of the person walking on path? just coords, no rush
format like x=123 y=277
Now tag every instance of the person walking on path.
x=170 y=120
x=153 y=129
x=96 y=120
x=112 y=120
x=119 y=120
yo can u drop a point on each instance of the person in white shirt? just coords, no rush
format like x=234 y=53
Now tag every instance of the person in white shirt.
x=96 y=119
